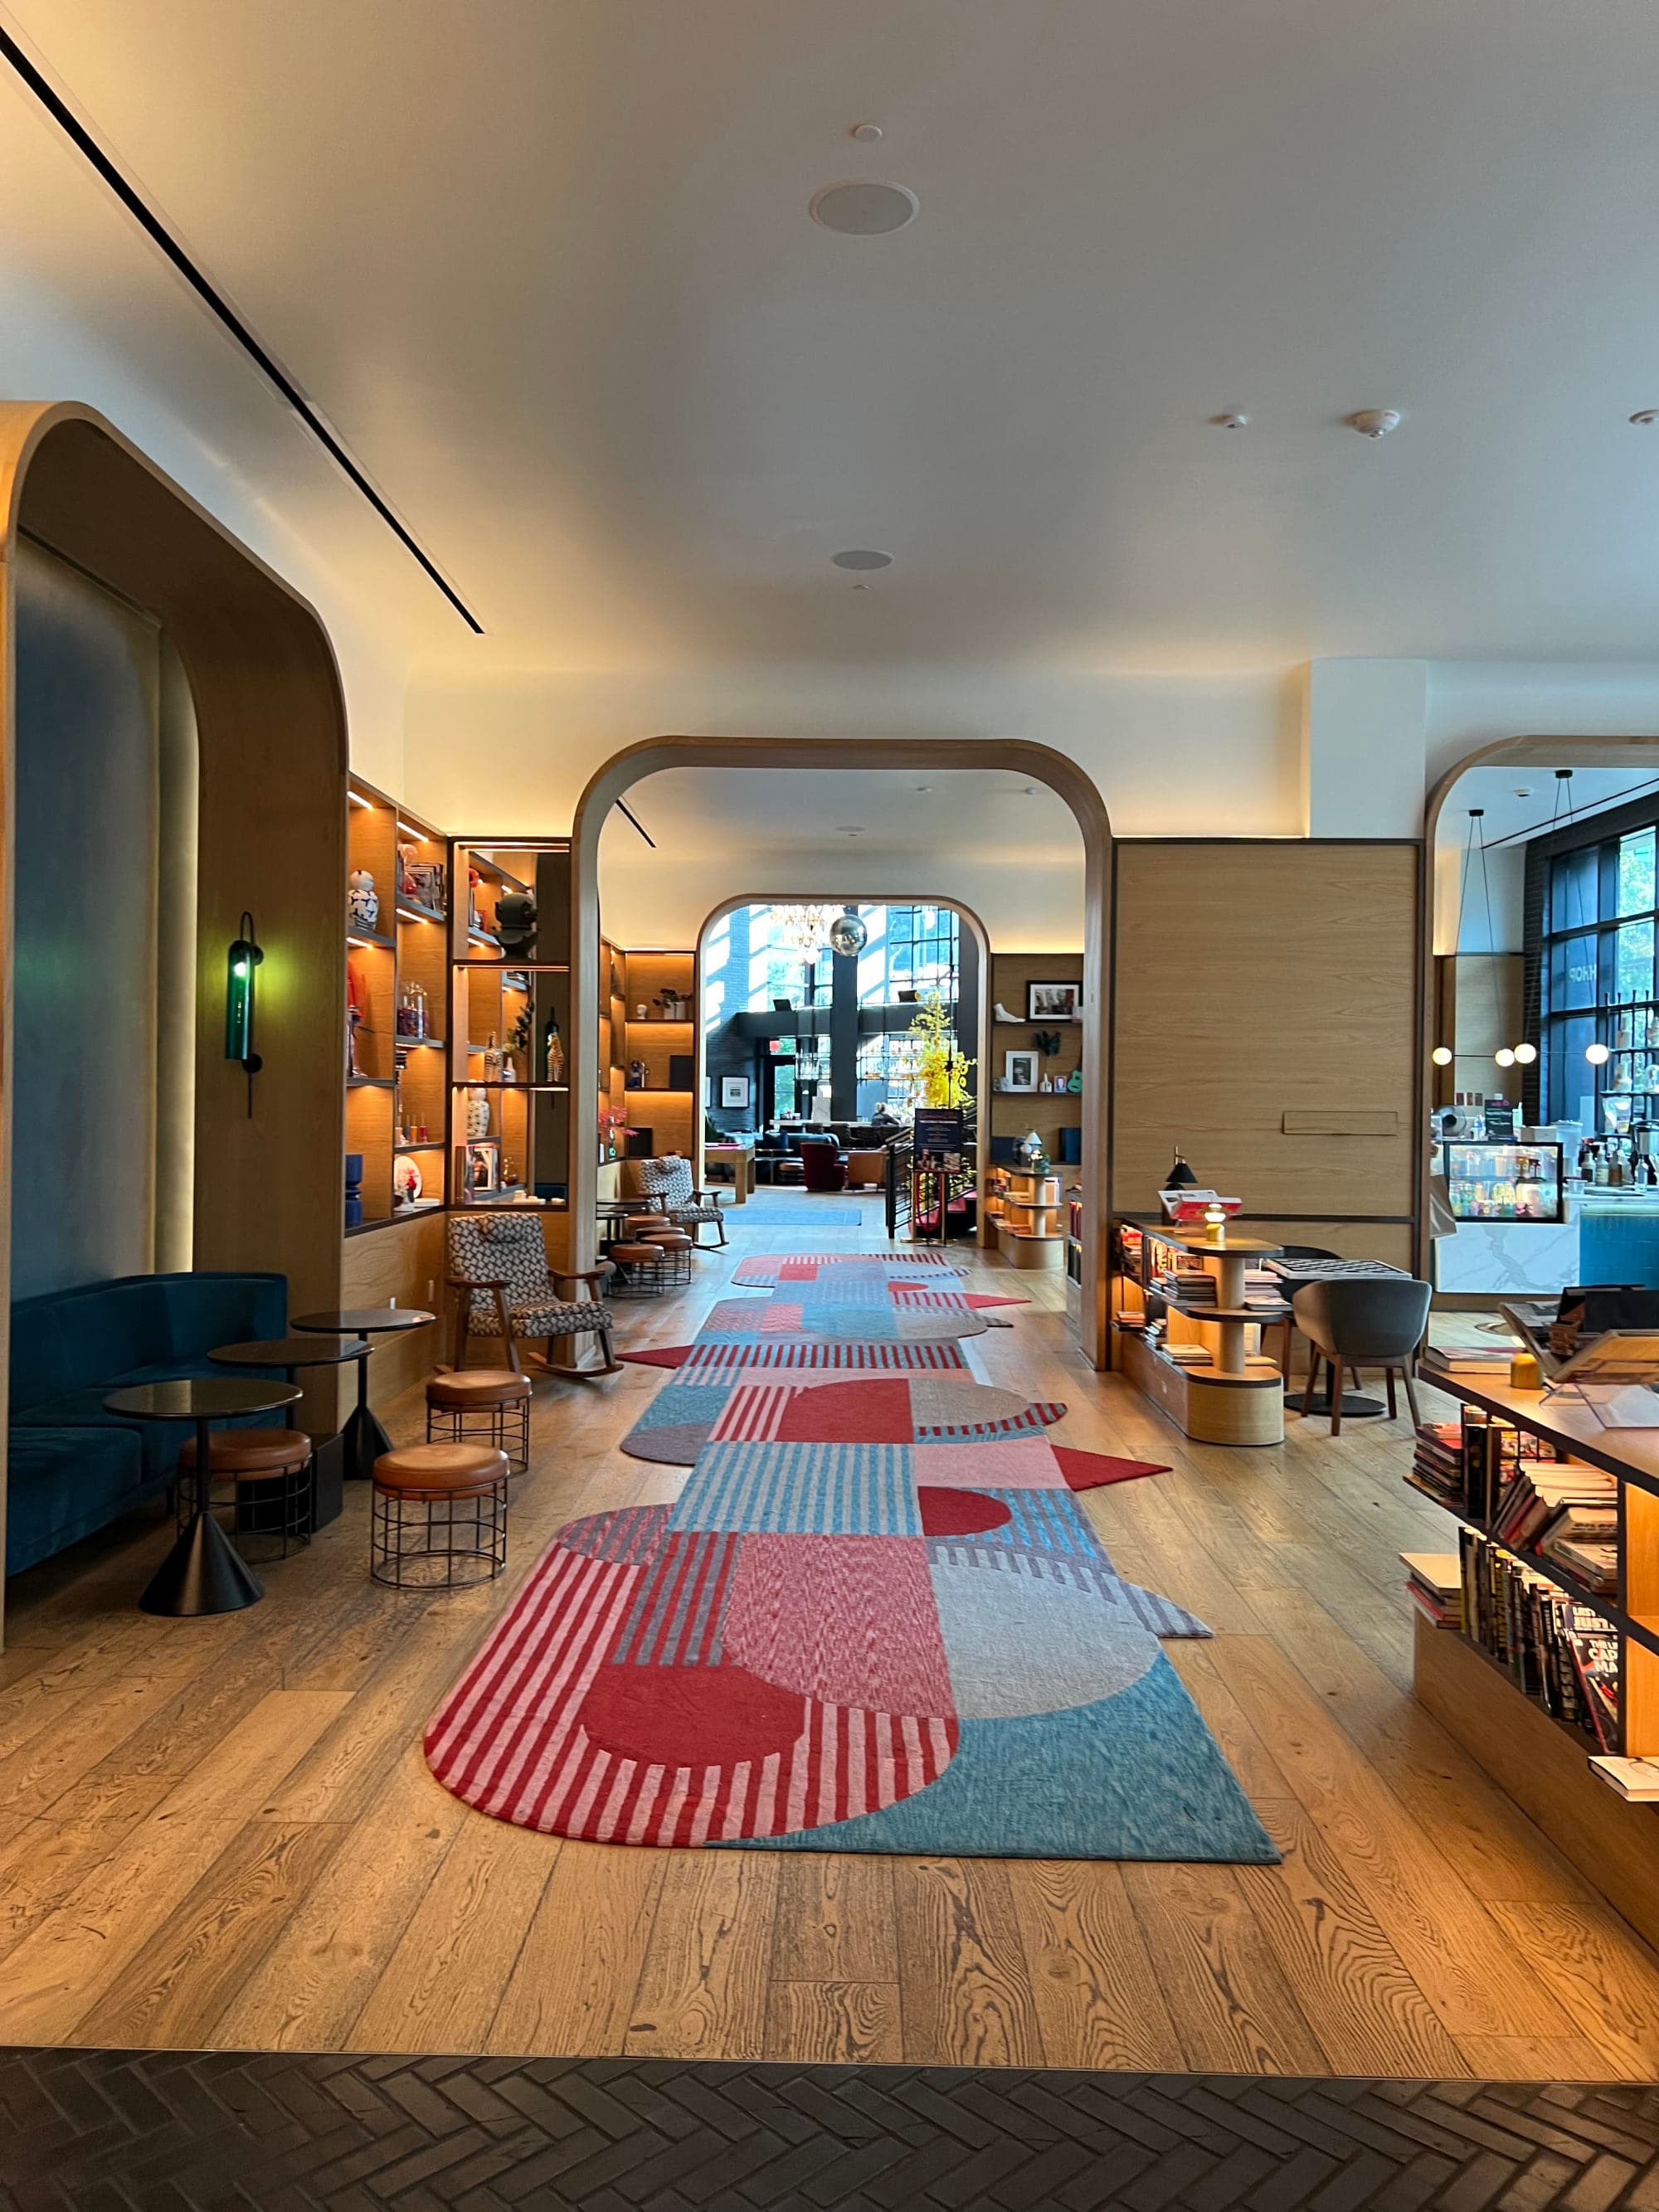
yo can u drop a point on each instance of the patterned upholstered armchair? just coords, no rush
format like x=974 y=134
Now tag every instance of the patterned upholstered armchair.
x=498 y=1268
x=668 y=1181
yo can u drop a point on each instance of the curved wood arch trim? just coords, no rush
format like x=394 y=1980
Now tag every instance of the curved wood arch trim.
x=1019 y=756
x=271 y=731
x=982 y=1011
x=1524 y=751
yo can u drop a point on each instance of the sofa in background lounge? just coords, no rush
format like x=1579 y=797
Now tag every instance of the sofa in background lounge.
x=72 y=1467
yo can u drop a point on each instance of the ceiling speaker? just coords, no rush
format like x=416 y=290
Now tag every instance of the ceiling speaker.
x=865 y=209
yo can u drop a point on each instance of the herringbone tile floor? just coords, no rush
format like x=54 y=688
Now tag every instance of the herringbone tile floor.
x=171 y=2131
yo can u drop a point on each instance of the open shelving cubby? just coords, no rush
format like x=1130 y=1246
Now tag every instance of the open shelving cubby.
x=392 y=966
x=509 y=1024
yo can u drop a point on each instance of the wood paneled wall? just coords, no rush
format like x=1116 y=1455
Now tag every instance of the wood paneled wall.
x=1266 y=1020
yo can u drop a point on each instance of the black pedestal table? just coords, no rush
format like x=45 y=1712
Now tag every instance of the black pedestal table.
x=289 y=1354
x=204 y=1572
x=1295 y=1274
x=362 y=1438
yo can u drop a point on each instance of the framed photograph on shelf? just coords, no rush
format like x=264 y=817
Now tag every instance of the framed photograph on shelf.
x=734 y=1092
x=483 y=1167
x=1053 y=1002
x=1019 y=1071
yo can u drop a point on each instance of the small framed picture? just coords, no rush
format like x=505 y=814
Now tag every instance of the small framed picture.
x=1053 y=1002
x=1019 y=1071
x=483 y=1170
x=734 y=1091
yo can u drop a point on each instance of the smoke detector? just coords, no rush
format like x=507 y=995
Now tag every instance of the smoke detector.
x=1374 y=422
x=1646 y=417
x=1230 y=421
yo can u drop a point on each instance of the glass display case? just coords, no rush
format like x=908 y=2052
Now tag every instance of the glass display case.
x=1503 y=1183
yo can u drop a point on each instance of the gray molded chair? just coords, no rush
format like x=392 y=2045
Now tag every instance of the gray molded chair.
x=1363 y=1321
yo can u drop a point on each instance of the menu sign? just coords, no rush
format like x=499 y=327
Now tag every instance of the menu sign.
x=938 y=1129
x=1500 y=1119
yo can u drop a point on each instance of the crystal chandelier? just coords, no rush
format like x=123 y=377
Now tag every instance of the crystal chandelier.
x=804 y=929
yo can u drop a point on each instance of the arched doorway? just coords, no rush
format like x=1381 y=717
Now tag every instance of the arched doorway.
x=1040 y=763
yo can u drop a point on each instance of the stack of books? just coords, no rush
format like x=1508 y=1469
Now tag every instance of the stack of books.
x=1190 y=1284
x=1437 y=1463
x=1476 y=1362
x=1434 y=1583
x=1566 y=1513
x=1560 y=1652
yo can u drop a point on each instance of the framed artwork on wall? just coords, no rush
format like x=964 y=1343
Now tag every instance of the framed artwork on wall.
x=734 y=1092
x=1053 y=1002
x=1019 y=1071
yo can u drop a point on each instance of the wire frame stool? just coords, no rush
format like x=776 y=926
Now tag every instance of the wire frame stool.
x=430 y=1531
x=266 y=1511
x=505 y=1426
x=676 y=1249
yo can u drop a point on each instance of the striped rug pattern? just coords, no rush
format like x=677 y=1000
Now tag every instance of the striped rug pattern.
x=875 y=1617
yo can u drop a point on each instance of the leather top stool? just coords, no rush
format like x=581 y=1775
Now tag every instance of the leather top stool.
x=438 y=1518
x=487 y=1405
x=271 y=1472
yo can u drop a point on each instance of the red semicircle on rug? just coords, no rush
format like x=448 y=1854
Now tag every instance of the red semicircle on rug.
x=1087 y=1470
x=959 y=1512
x=691 y=1716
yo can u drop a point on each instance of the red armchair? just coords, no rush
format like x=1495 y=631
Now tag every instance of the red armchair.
x=821 y=1165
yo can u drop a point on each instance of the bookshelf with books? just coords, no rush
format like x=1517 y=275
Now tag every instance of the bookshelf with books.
x=1547 y=1657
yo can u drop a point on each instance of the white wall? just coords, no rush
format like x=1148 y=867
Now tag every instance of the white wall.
x=1213 y=757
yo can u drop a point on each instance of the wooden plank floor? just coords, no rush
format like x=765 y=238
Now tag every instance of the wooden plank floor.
x=222 y=1833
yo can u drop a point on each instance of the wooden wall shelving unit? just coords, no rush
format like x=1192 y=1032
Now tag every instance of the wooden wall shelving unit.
x=667 y=1108
x=402 y=1074
x=1014 y=1112
x=501 y=1056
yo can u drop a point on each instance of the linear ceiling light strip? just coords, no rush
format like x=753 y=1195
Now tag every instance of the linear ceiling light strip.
x=146 y=218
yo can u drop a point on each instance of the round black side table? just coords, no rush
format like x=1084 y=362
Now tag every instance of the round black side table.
x=362 y=1438
x=204 y=1572
x=289 y=1354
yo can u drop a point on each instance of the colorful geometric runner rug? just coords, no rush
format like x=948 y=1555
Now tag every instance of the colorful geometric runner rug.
x=875 y=1619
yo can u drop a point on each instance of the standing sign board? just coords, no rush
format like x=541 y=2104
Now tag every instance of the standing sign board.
x=938 y=1129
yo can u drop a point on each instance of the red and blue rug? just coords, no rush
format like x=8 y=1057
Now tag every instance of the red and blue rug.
x=876 y=1618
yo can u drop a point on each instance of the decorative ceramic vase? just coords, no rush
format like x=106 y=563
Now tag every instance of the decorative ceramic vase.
x=354 y=1189
x=478 y=1115
x=362 y=901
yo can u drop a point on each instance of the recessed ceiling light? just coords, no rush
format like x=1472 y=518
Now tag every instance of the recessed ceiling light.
x=859 y=208
x=862 y=556
x=924 y=786
x=865 y=133
x=861 y=588
x=849 y=829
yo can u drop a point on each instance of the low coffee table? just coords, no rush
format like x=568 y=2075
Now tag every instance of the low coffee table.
x=363 y=1439
x=204 y=1572
x=288 y=1354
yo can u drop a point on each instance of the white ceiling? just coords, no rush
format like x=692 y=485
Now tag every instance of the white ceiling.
x=1012 y=855
x=1520 y=803
x=754 y=814
x=547 y=266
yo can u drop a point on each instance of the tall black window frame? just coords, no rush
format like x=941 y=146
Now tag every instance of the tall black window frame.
x=1589 y=971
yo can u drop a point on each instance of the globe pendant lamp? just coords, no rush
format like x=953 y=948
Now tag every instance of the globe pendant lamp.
x=847 y=935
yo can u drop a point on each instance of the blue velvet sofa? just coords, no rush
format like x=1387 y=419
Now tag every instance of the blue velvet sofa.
x=71 y=1465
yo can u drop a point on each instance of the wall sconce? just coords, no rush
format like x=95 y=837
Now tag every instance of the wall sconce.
x=244 y=958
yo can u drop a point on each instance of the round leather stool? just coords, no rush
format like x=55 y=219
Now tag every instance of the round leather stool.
x=642 y=1269
x=646 y=1224
x=481 y=1405
x=438 y=1517
x=676 y=1247
x=268 y=1472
